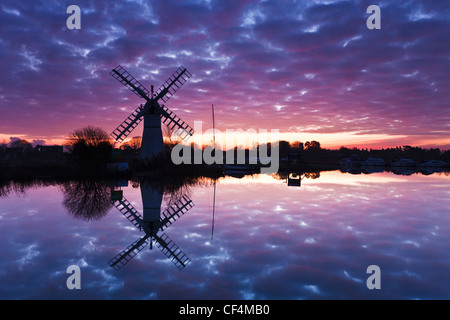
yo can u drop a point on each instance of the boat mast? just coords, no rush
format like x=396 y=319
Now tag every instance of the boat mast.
x=214 y=200
x=214 y=128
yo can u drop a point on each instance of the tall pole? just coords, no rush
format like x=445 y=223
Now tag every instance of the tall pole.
x=214 y=129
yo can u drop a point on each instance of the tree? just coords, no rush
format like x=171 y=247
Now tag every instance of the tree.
x=170 y=137
x=20 y=143
x=89 y=144
x=312 y=145
x=3 y=144
x=297 y=144
x=134 y=143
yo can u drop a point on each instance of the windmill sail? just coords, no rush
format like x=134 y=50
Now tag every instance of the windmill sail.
x=164 y=93
x=175 y=81
x=172 y=251
x=124 y=77
x=171 y=120
x=128 y=125
x=128 y=253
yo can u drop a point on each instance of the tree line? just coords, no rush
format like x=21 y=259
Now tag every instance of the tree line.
x=93 y=145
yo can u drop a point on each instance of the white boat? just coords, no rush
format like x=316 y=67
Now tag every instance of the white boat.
x=403 y=163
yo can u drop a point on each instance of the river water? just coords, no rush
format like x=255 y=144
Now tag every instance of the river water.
x=254 y=237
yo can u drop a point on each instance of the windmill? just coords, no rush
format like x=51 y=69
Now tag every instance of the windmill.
x=152 y=222
x=152 y=112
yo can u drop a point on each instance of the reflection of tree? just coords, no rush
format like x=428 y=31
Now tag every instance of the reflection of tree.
x=307 y=175
x=20 y=187
x=6 y=187
x=312 y=175
x=173 y=194
x=87 y=199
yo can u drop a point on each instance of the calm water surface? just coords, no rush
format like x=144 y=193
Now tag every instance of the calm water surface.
x=266 y=240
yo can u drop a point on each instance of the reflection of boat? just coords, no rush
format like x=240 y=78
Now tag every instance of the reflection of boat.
x=427 y=172
x=403 y=167
x=372 y=165
x=350 y=170
x=372 y=169
x=434 y=164
x=405 y=171
x=239 y=170
x=351 y=165
x=294 y=180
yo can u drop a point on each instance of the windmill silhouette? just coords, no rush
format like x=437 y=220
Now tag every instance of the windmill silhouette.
x=152 y=112
x=152 y=222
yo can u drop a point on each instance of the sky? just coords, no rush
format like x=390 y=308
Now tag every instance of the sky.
x=310 y=69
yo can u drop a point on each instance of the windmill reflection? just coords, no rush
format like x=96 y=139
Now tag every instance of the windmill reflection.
x=151 y=223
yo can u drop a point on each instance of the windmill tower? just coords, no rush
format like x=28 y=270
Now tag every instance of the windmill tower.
x=152 y=222
x=152 y=112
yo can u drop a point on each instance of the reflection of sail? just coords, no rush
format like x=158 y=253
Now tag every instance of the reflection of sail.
x=171 y=250
x=129 y=253
x=151 y=222
x=178 y=209
x=125 y=207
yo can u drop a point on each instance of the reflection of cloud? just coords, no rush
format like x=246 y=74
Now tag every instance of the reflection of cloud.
x=252 y=256
x=29 y=253
x=312 y=288
x=352 y=278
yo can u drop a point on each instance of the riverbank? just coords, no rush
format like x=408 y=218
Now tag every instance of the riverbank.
x=66 y=169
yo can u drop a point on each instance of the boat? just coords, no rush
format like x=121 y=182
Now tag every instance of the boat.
x=404 y=163
x=370 y=162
